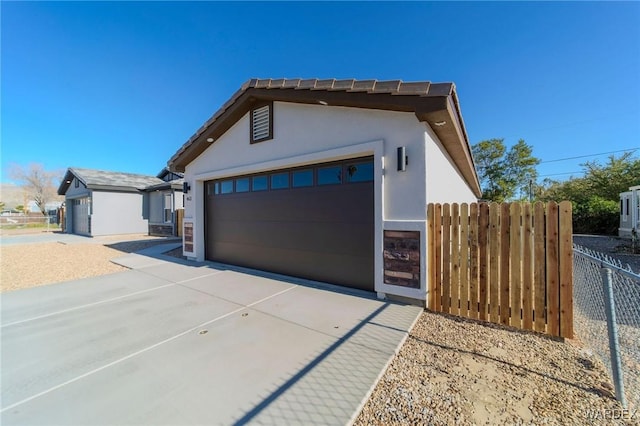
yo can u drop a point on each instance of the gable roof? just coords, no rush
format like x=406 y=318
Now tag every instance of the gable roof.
x=172 y=184
x=165 y=171
x=430 y=102
x=106 y=180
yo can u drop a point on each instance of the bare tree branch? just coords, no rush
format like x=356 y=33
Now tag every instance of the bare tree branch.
x=37 y=182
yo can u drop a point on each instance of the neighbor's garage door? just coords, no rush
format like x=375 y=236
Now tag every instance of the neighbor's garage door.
x=81 y=216
x=312 y=222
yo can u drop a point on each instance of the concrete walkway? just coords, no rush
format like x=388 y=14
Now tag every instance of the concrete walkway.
x=172 y=342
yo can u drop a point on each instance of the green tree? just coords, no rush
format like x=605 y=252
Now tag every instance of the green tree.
x=504 y=173
x=596 y=195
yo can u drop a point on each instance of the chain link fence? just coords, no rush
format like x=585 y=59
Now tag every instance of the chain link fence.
x=591 y=320
x=20 y=221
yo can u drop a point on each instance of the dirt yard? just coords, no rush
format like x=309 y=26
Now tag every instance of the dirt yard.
x=32 y=265
x=449 y=371
x=452 y=371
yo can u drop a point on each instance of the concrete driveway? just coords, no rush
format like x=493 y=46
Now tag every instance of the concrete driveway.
x=170 y=343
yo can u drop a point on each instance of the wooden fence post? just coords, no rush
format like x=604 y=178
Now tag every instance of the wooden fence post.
x=494 y=262
x=455 y=260
x=464 y=260
x=539 y=270
x=484 y=261
x=515 y=261
x=505 y=240
x=473 y=260
x=527 y=269
x=431 y=252
x=566 y=270
x=438 y=256
x=446 y=258
x=553 y=290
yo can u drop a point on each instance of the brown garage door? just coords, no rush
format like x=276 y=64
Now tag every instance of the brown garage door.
x=312 y=222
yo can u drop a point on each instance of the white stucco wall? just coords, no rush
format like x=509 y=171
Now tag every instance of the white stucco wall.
x=445 y=183
x=306 y=134
x=117 y=213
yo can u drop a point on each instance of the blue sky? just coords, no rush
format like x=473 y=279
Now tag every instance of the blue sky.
x=122 y=85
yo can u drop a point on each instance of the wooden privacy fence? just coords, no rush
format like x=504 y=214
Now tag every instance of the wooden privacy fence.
x=509 y=263
x=179 y=220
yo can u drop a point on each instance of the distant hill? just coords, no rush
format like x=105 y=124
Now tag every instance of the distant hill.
x=12 y=195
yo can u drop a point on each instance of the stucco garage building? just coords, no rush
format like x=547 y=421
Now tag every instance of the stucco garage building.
x=326 y=179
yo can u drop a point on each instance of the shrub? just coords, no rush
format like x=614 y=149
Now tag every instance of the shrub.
x=596 y=216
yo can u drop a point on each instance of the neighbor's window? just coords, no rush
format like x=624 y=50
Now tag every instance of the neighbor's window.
x=262 y=123
x=76 y=183
x=627 y=207
x=259 y=183
x=167 y=208
x=329 y=175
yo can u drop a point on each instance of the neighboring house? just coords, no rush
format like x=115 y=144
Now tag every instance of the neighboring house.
x=105 y=203
x=629 y=211
x=326 y=180
x=32 y=207
x=165 y=199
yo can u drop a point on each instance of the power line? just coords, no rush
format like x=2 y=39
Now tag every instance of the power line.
x=590 y=155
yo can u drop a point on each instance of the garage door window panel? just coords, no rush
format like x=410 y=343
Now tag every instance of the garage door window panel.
x=259 y=183
x=226 y=187
x=213 y=188
x=330 y=175
x=302 y=178
x=280 y=181
x=359 y=172
x=242 y=185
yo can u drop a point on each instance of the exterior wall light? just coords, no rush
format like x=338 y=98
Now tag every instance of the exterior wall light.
x=186 y=187
x=403 y=159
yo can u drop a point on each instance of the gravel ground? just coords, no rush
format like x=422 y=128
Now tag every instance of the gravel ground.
x=618 y=248
x=452 y=371
x=32 y=265
x=449 y=371
x=590 y=318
